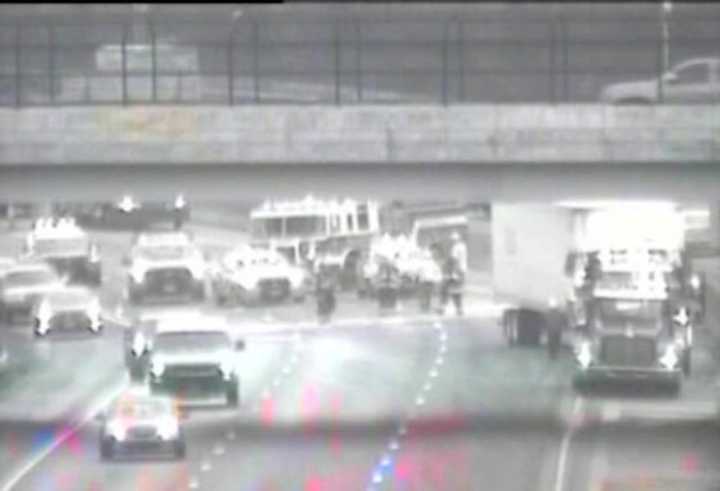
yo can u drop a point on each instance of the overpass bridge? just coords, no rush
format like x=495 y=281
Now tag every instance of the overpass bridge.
x=474 y=152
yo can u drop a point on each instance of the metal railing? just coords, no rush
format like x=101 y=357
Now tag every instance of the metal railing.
x=554 y=59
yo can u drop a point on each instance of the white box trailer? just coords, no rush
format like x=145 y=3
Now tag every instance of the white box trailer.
x=531 y=245
x=538 y=253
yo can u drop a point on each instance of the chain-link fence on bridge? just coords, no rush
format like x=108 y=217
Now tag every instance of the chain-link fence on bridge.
x=491 y=59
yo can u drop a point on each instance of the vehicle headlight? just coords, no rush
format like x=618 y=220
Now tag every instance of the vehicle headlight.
x=249 y=282
x=93 y=311
x=670 y=358
x=197 y=268
x=157 y=368
x=44 y=314
x=138 y=272
x=180 y=201
x=94 y=256
x=584 y=355
x=227 y=367
x=297 y=278
x=168 y=428
x=695 y=282
x=117 y=430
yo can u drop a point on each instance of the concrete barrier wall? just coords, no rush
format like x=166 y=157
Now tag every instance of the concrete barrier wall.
x=248 y=134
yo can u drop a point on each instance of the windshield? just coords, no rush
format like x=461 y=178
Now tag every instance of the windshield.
x=643 y=313
x=287 y=227
x=29 y=278
x=61 y=246
x=164 y=251
x=191 y=341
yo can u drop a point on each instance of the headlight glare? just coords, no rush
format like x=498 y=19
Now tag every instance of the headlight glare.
x=117 y=430
x=168 y=428
x=157 y=368
x=670 y=358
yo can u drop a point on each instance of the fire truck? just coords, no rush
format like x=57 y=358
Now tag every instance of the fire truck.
x=340 y=233
x=309 y=231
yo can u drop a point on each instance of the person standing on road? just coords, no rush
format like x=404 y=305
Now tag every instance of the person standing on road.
x=430 y=277
x=459 y=252
x=452 y=285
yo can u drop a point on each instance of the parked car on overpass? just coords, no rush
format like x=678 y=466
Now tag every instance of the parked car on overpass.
x=695 y=81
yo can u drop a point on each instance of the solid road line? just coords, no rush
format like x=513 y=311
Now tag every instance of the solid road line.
x=103 y=401
x=560 y=471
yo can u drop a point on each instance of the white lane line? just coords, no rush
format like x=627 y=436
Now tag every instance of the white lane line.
x=193 y=483
x=206 y=466
x=218 y=449
x=103 y=401
x=394 y=445
x=565 y=445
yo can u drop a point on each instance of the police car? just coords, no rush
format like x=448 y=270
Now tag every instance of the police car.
x=165 y=265
x=251 y=275
x=192 y=357
x=67 y=309
x=23 y=284
x=67 y=247
x=138 y=422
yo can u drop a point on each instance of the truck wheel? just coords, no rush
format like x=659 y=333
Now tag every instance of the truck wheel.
x=233 y=395
x=674 y=388
x=179 y=449
x=687 y=362
x=529 y=327
x=510 y=327
x=106 y=449
x=581 y=386
x=134 y=296
x=220 y=299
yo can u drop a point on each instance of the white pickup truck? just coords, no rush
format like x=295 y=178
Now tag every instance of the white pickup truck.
x=695 y=81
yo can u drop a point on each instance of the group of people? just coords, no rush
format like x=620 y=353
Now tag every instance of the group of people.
x=443 y=273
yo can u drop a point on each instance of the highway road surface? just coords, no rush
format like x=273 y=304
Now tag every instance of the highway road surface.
x=400 y=402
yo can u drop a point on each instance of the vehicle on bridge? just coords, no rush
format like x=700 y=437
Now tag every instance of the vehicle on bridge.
x=166 y=266
x=128 y=213
x=695 y=81
x=544 y=256
x=23 y=285
x=251 y=275
x=631 y=335
x=69 y=309
x=67 y=247
x=193 y=358
x=141 y=423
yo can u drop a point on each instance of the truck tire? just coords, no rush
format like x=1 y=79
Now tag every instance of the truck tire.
x=233 y=395
x=687 y=362
x=510 y=327
x=529 y=328
x=179 y=449
x=106 y=449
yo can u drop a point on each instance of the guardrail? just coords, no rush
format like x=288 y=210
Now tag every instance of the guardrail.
x=553 y=58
